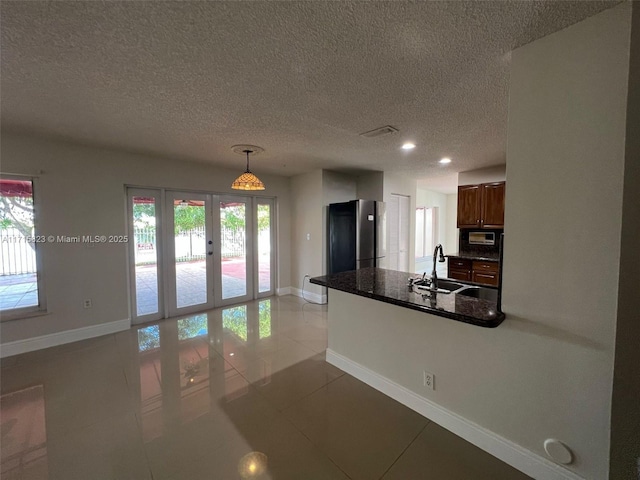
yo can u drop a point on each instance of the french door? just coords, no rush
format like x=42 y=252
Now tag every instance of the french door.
x=235 y=236
x=190 y=252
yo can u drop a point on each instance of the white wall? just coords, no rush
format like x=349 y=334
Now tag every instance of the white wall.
x=483 y=175
x=306 y=209
x=82 y=192
x=547 y=371
x=625 y=412
x=311 y=193
x=370 y=186
x=451 y=226
x=565 y=160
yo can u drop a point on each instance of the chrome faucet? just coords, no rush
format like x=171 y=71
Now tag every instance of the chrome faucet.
x=434 y=275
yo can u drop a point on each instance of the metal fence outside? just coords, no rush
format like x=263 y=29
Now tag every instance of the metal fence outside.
x=190 y=245
x=18 y=257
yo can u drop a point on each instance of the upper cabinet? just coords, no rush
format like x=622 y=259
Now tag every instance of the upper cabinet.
x=469 y=206
x=481 y=206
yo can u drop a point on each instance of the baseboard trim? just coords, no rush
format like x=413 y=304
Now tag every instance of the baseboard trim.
x=60 y=338
x=518 y=457
x=314 y=297
x=283 y=291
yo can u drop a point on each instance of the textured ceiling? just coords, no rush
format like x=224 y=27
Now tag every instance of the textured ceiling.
x=301 y=79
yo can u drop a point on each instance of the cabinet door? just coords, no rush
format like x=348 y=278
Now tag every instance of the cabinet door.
x=485 y=266
x=459 y=269
x=492 y=205
x=485 y=278
x=464 y=275
x=469 y=206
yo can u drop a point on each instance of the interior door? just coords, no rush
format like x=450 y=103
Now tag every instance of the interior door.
x=190 y=248
x=398 y=224
x=235 y=233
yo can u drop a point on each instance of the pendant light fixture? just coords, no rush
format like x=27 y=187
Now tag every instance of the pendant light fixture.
x=247 y=181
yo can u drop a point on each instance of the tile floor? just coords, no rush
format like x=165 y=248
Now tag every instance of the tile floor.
x=234 y=393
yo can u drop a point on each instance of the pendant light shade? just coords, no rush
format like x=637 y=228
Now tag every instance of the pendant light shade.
x=247 y=181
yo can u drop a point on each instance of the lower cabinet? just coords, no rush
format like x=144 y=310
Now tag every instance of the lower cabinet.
x=478 y=271
x=485 y=272
x=459 y=269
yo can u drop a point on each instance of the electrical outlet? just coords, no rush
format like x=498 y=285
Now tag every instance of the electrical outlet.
x=87 y=303
x=429 y=380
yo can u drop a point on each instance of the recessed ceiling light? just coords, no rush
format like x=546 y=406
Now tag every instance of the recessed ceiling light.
x=445 y=160
x=408 y=146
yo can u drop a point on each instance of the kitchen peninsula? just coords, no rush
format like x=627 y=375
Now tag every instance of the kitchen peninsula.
x=391 y=286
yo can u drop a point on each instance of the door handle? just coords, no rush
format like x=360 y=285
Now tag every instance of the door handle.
x=210 y=242
x=209 y=253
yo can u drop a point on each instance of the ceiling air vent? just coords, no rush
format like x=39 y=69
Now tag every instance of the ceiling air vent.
x=379 y=132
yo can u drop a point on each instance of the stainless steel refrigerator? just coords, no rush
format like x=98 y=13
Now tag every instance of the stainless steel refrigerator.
x=356 y=235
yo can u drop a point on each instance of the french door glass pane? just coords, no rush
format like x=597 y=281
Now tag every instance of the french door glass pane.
x=233 y=230
x=190 y=243
x=18 y=269
x=145 y=255
x=264 y=248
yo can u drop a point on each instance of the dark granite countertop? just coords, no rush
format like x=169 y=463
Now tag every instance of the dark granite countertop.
x=476 y=256
x=390 y=286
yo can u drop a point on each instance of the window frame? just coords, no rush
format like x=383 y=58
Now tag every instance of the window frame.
x=41 y=308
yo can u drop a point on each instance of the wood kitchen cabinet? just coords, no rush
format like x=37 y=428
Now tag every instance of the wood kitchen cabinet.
x=481 y=206
x=459 y=269
x=484 y=272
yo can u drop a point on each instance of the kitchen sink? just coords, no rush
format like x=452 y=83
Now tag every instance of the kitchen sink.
x=489 y=294
x=449 y=285
x=444 y=286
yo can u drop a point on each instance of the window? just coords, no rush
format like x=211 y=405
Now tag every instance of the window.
x=20 y=289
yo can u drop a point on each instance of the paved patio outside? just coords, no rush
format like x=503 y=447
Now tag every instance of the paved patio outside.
x=191 y=283
x=17 y=291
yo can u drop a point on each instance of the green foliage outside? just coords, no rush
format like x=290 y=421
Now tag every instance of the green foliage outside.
x=232 y=217
x=17 y=212
x=189 y=217
x=264 y=219
x=143 y=212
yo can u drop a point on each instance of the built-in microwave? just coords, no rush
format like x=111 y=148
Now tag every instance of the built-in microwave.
x=482 y=238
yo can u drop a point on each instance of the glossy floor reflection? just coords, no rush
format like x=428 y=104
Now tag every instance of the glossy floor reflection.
x=241 y=392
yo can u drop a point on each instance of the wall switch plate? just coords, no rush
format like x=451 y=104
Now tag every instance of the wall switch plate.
x=429 y=380
x=87 y=303
x=308 y=236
